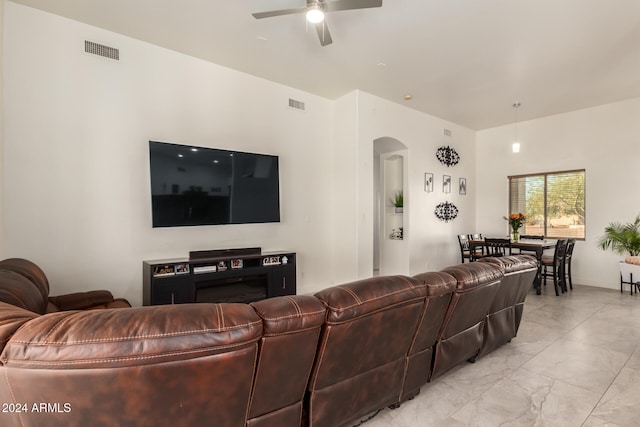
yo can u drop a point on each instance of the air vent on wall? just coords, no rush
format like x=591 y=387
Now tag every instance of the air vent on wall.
x=298 y=105
x=101 y=50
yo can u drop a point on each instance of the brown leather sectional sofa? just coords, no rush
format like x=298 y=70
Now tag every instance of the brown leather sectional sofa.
x=322 y=361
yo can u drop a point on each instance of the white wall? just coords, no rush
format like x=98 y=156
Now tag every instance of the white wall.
x=432 y=244
x=604 y=140
x=76 y=161
x=76 y=195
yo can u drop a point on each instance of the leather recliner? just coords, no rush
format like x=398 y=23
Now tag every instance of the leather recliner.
x=461 y=335
x=291 y=327
x=439 y=287
x=506 y=309
x=369 y=328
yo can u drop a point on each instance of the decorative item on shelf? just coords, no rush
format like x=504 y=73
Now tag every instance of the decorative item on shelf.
x=397 y=234
x=273 y=260
x=398 y=201
x=182 y=268
x=515 y=221
x=446 y=211
x=448 y=156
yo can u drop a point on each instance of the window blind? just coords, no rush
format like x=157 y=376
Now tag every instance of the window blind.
x=553 y=203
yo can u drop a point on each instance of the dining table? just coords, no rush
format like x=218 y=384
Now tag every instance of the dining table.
x=536 y=246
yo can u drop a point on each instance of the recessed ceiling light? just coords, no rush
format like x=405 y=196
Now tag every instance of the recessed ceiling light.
x=408 y=97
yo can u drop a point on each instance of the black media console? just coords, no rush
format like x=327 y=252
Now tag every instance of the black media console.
x=228 y=275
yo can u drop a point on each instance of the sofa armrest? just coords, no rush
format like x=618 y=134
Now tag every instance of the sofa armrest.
x=81 y=300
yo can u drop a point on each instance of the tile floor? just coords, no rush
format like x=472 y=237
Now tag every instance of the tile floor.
x=575 y=362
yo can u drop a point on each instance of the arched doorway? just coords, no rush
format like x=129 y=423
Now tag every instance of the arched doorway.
x=389 y=221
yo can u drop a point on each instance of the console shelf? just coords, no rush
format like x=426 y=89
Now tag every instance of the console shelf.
x=233 y=275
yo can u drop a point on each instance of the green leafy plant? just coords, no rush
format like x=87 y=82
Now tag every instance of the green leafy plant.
x=398 y=200
x=622 y=238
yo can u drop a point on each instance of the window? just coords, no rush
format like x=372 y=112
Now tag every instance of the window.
x=552 y=203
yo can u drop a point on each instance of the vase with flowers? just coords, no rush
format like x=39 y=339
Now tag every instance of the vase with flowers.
x=515 y=221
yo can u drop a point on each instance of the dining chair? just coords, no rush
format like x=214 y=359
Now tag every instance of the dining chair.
x=465 y=253
x=497 y=247
x=475 y=236
x=555 y=263
x=568 y=256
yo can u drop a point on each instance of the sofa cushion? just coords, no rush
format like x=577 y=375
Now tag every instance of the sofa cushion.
x=287 y=350
x=154 y=366
x=461 y=335
x=511 y=264
x=12 y=318
x=352 y=300
x=282 y=315
x=473 y=275
x=136 y=336
x=361 y=360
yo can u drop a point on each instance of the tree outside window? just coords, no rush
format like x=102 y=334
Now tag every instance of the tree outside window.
x=553 y=203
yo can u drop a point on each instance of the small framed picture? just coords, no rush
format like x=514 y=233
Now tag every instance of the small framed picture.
x=463 y=186
x=236 y=263
x=428 y=182
x=446 y=183
x=182 y=268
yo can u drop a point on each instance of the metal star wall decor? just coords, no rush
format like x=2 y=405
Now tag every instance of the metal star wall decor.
x=446 y=211
x=448 y=156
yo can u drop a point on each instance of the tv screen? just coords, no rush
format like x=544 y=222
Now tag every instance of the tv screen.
x=207 y=186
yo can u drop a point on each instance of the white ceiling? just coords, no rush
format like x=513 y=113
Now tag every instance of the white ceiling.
x=466 y=61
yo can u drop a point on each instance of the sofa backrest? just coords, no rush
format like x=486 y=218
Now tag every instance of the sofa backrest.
x=160 y=366
x=370 y=325
x=23 y=284
x=291 y=327
x=461 y=335
x=506 y=310
x=440 y=287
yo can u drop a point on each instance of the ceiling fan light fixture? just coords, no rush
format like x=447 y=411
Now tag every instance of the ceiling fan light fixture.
x=315 y=15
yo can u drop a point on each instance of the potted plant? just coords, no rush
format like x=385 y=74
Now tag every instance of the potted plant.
x=398 y=201
x=622 y=238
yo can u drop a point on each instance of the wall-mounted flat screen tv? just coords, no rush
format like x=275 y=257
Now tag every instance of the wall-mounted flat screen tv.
x=207 y=186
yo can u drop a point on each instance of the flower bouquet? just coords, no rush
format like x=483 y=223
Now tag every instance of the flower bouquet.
x=515 y=221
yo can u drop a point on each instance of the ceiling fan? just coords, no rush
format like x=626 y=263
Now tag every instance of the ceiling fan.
x=315 y=11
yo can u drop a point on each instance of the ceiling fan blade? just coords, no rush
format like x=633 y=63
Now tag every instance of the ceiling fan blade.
x=323 y=33
x=269 y=14
x=336 y=5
